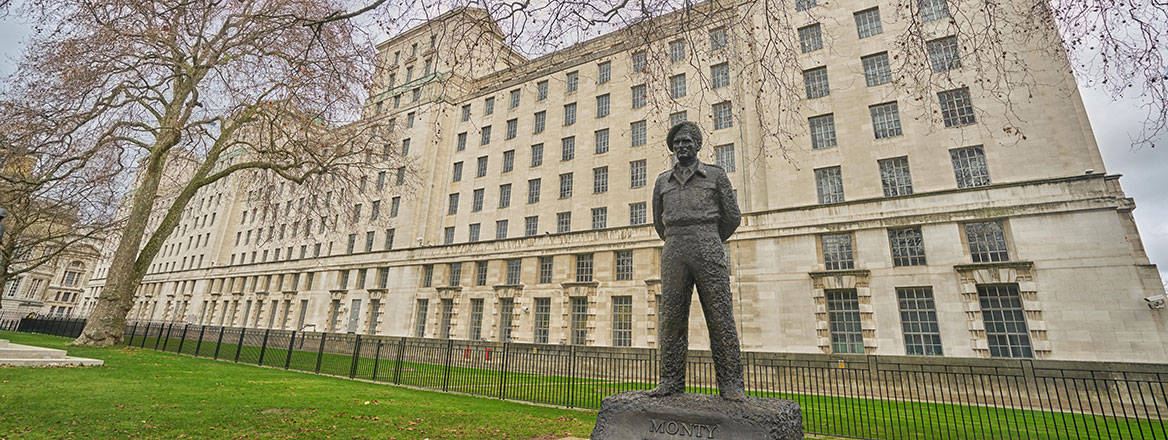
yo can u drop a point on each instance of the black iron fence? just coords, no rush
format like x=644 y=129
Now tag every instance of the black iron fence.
x=868 y=396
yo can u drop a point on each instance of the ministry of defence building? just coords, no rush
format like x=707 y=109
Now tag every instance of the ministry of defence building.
x=876 y=219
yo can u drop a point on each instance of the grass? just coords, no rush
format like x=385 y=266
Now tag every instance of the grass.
x=142 y=393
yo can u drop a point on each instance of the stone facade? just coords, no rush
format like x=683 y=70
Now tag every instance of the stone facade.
x=1028 y=248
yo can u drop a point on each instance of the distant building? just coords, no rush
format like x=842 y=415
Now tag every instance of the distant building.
x=891 y=226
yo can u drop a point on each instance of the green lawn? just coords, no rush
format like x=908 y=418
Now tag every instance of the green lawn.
x=142 y=393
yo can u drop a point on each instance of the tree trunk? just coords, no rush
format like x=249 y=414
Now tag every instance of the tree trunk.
x=107 y=323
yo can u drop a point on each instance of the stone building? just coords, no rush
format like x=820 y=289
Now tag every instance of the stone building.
x=886 y=224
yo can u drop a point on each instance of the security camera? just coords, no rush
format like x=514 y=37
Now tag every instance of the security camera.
x=1155 y=302
x=524 y=309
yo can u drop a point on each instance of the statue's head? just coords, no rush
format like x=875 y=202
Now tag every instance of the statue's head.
x=685 y=140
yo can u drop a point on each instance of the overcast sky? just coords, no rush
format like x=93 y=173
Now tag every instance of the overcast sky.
x=1145 y=171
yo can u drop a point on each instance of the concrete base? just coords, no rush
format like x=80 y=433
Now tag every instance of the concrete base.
x=636 y=416
x=16 y=355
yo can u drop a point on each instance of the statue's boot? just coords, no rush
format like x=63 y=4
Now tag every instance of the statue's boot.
x=666 y=389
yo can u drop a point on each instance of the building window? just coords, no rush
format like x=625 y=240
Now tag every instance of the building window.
x=543 y=313
x=622 y=321
x=908 y=246
x=599 y=218
x=803 y=5
x=476 y=319
x=987 y=242
x=837 y=251
x=476 y=204
x=461 y=141
x=515 y=98
x=918 y=320
x=723 y=117
x=639 y=131
x=638 y=173
x=822 y=131
x=724 y=157
x=876 y=69
x=465 y=112
x=394 y=207
x=640 y=61
x=481 y=170
x=640 y=96
x=637 y=215
x=579 y=324
x=719 y=75
x=452 y=206
x=830 y=185
x=506 y=318
x=504 y=195
x=969 y=167
x=624 y=265
x=583 y=268
x=405 y=148
x=427 y=275
x=500 y=229
x=475 y=231
x=569 y=114
x=868 y=23
x=885 y=120
x=389 y=233
x=508 y=161
x=1005 y=320
x=565 y=185
x=489 y=106
x=603 y=72
x=540 y=122
x=455 y=272
x=677 y=118
x=676 y=50
x=512 y=128
x=843 y=314
x=815 y=82
x=541 y=90
x=533 y=186
x=514 y=270
x=568 y=148
x=602 y=108
x=545 y=269
x=943 y=53
x=599 y=180
x=486 y=136
x=573 y=81
x=369 y=240
x=956 y=107
x=530 y=225
x=810 y=38
x=536 y=155
x=348 y=249
x=932 y=10
x=601 y=141
x=895 y=176
x=677 y=86
x=420 y=319
x=718 y=38
x=563 y=222
x=448 y=236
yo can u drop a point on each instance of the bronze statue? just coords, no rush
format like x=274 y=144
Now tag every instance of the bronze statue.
x=694 y=211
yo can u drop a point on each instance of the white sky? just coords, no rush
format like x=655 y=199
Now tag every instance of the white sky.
x=1145 y=171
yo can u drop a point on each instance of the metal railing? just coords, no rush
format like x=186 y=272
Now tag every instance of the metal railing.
x=866 y=396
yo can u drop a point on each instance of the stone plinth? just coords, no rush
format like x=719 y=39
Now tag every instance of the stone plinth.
x=636 y=416
x=16 y=355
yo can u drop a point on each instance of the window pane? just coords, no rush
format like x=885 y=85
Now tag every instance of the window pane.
x=885 y=120
x=969 y=167
x=908 y=247
x=829 y=183
x=843 y=315
x=810 y=38
x=822 y=131
x=868 y=22
x=987 y=241
x=918 y=320
x=876 y=69
x=943 y=54
x=837 y=251
x=956 y=107
x=815 y=81
x=895 y=176
x=1005 y=320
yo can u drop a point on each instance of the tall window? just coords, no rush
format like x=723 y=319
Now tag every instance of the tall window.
x=637 y=173
x=579 y=320
x=810 y=38
x=475 y=231
x=876 y=69
x=885 y=120
x=389 y=233
x=830 y=185
x=868 y=23
x=837 y=251
x=565 y=185
x=541 y=90
x=815 y=81
x=602 y=105
x=545 y=269
x=822 y=131
x=599 y=180
x=476 y=204
x=1005 y=320
x=569 y=114
x=515 y=98
x=504 y=195
x=461 y=141
x=568 y=148
x=601 y=141
x=506 y=318
x=536 y=155
x=447 y=313
x=457 y=172
x=512 y=128
x=638 y=133
x=394 y=207
x=724 y=157
x=720 y=75
x=452 y=206
x=918 y=320
x=489 y=105
x=599 y=218
x=723 y=117
x=677 y=86
x=843 y=314
x=448 y=235
x=943 y=53
x=640 y=96
x=540 y=122
x=508 y=161
x=622 y=321
x=956 y=107
x=583 y=267
x=640 y=61
x=676 y=50
x=481 y=273
x=987 y=241
x=908 y=246
x=542 y=321
x=969 y=167
x=500 y=229
x=803 y=5
x=427 y=275
x=624 y=265
x=465 y=112
x=476 y=319
x=932 y=10
x=563 y=222
x=603 y=72
x=533 y=190
x=718 y=38
x=637 y=214
x=514 y=270
x=530 y=225
x=420 y=318
x=486 y=136
x=895 y=176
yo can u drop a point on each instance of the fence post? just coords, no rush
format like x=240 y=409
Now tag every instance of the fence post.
x=133 y=332
x=144 y=336
x=219 y=343
x=291 y=345
x=199 y=346
x=401 y=348
x=159 y=339
x=571 y=375
x=320 y=353
x=503 y=371
x=446 y=369
x=239 y=343
x=263 y=347
x=356 y=353
x=183 y=341
x=376 y=360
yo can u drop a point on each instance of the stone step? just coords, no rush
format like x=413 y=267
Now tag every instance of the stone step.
x=3 y=343
x=15 y=351
x=65 y=362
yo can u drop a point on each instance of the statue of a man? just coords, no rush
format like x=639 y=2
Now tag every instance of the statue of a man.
x=694 y=211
